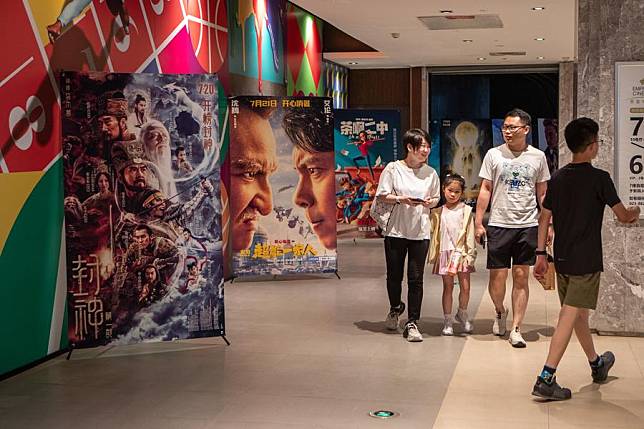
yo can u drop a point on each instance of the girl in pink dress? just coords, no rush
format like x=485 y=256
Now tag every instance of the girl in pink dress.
x=453 y=250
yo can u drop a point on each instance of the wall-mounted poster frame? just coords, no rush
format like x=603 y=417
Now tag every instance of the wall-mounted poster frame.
x=629 y=132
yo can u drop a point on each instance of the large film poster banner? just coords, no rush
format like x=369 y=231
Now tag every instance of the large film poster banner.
x=365 y=141
x=282 y=185
x=464 y=143
x=142 y=207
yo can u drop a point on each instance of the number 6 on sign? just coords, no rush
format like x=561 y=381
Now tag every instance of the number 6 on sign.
x=636 y=164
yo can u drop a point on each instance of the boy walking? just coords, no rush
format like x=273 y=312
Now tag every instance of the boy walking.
x=575 y=200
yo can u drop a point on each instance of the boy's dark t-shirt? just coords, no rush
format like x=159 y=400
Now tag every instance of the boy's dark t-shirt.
x=577 y=195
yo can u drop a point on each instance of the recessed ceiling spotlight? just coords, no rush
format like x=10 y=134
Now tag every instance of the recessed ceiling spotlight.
x=539 y=39
x=481 y=58
x=352 y=63
x=538 y=8
x=447 y=11
x=539 y=58
x=467 y=40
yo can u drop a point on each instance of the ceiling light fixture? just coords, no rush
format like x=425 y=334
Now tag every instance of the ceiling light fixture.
x=467 y=40
x=539 y=39
x=481 y=58
x=352 y=63
x=538 y=8
x=447 y=11
x=539 y=58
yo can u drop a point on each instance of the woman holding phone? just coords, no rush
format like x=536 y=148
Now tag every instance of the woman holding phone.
x=412 y=188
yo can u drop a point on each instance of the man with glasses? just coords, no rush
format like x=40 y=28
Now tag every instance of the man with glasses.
x=514 y=177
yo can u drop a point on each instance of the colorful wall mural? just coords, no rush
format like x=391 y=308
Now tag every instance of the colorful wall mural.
x=336 y=84
x=42 y=38
x=257 y=43
x=303 y=53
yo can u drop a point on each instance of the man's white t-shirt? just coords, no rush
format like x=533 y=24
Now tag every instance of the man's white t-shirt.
x=514 y=177
x=410 y=222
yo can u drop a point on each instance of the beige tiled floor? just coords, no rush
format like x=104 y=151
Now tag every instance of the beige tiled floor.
x=487 y=361
x=315 y=354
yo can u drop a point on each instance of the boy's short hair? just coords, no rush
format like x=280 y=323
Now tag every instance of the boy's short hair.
x=525 y=117
x=580 y=133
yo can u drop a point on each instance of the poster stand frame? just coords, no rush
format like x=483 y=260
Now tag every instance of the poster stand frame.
x=275 y=276
x=72 y=347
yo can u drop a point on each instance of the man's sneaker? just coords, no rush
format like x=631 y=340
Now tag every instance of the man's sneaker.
x=412 y=333
x=463 y=319
x=600 y=373
x=391 y=322
x=551 y=391
x=499 y=328
x=448 y=330
x=516 y=339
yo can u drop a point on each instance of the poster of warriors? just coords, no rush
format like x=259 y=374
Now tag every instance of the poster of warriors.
x=142 y=207
x=282 y=185
x=365 y=142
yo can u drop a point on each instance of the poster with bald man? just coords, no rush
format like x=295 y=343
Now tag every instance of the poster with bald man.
x=141 y=162
x=282 y=185
x=464 y=143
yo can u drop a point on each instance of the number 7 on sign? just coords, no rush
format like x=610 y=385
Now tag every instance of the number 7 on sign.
x=639 y=120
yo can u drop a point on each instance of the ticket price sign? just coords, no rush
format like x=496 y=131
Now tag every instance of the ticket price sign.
x=629 y=132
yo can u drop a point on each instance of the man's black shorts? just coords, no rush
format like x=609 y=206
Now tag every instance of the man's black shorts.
x=511 y=246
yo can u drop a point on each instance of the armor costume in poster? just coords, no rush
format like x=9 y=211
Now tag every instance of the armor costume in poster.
x=134 y=273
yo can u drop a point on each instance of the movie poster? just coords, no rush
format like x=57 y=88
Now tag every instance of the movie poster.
x=464 y=143
x=365 y=141
x=142 y=207
x=282 y=185
x=548 y=130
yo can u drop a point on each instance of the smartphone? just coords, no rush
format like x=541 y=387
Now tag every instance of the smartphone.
x=482 y=241
x=417 y=200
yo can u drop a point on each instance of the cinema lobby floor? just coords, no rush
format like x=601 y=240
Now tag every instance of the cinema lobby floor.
x=315 y=354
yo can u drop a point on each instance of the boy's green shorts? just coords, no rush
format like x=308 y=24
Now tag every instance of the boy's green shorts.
x=578 y=291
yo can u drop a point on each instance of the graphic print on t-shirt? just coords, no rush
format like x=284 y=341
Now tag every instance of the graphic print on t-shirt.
x=516 y=176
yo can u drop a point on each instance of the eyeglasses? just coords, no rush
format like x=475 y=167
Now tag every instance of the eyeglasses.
x=511 y=128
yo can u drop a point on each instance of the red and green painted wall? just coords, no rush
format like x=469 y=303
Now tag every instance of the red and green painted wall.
x=243 y=41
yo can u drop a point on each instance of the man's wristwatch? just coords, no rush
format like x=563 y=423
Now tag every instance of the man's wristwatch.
x=540 y=253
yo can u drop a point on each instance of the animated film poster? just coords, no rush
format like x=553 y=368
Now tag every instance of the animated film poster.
x=365 y=142
x=464 y=143
x=142 y=207
x=282 y=185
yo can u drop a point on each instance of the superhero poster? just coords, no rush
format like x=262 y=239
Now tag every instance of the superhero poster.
x=142 y=207
x=464 y=143
x=282 y=185
x=365 y=142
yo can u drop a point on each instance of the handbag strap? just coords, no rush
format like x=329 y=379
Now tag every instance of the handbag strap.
x=393 y=189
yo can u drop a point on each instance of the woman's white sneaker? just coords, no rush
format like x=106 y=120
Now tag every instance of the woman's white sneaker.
x=412 y=333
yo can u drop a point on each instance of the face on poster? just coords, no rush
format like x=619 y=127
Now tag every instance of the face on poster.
x=282 y=185
x=464 y=143
x=549 y=141
x=142 y=207
x=365 y=142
